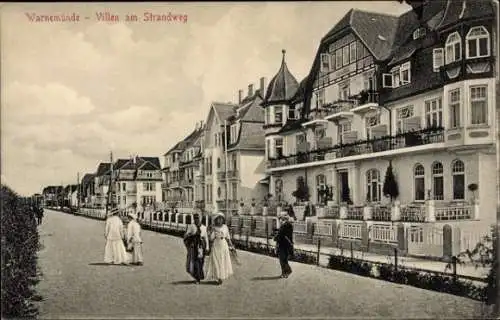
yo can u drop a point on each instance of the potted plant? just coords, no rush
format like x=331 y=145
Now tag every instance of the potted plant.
x=473 y=188
x=242 y=203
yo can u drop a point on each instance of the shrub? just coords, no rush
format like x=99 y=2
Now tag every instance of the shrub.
x=20 y=244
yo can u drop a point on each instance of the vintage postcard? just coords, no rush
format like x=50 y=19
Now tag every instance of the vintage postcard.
x=171 y=160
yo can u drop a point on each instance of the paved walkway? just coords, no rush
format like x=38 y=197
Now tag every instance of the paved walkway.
x=75 y=285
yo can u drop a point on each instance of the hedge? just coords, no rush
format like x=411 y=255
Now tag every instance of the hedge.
x=20 y=243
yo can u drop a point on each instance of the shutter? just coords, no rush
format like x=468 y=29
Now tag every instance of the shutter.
x=387 y=80
x=437 y=59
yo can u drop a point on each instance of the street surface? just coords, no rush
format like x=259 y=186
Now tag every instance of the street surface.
x=75 y=284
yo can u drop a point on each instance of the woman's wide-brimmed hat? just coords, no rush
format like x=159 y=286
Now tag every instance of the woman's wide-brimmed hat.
x=218 y=215
x=284 y=216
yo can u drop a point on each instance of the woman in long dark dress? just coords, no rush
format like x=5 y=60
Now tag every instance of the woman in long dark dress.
x=196 y=241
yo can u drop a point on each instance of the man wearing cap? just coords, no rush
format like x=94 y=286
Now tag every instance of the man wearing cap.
x=284 y=244
x=134 y=239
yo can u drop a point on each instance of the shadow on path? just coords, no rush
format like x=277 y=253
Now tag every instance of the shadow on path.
x=188 y=282
x=266 y=278
x=109 y=264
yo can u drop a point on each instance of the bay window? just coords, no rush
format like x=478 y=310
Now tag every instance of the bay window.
x=479 y=104
x=453 y=48
x=477 y=43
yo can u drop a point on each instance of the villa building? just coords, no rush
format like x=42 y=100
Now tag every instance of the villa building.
x=410 y=98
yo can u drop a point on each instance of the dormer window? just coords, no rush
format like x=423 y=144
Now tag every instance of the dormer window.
x=325 y=62
x=477 y=43
x=419 y=33
x=291 y=113
x=453 y=48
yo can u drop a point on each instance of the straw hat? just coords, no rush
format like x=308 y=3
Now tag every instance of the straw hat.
x=284 y=216
x=218 y=215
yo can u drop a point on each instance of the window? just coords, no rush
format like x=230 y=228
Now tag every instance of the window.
x=405 y=73
x=387 y=80
x=434 y=113
x=402 y=114
x=235 y=162
x=279 y=147
x=395 y=77
x=458 y=175
x=300 y=142
x=319 y=133
x=344 y=127
x=325 y=62
x=320 y=186
x=291 y=113
x=338 y=59
x=419 y=33
x=352 y=52
x=371 y=121
x=234 y=133
x=278 y=114
x=477 y=43
x=219 y=192
x=218 y=163
x=479 y=105
x=332 y=61
x=345 y=55
x=268 y=148
x=454 y=97
x=373 y=186
x=124 y=186
x=453 y=48
x=437 y=181
x=320 y=98
x=344 y=91
x=149 y=186
x=368 y=81
x=419 y=182
x=278 y=190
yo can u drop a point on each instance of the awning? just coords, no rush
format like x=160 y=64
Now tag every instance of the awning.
x=265 y=180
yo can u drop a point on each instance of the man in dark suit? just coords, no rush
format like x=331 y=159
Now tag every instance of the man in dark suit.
x=284 y=244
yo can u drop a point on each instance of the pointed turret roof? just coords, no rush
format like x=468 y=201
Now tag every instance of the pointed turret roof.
x=282 y=87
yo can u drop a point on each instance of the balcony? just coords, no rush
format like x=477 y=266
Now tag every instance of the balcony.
x=165 y=185
x=174 y=184
x=233 y=174
x=221 y=175
x=399 y=141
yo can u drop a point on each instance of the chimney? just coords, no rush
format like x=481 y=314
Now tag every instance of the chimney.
x=263 y=85
x=250 y=90
x=240 y=96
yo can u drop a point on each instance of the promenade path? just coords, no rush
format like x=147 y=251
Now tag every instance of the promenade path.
x=76 y=285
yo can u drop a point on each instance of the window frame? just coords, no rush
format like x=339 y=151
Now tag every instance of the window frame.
x=373 y=181
x=452 y=41
x=477 y=39
x=456 y=173
x=454 y=108
x=430 y=113
x=278 y=110
x=482 y=99
x=436 y=175
x=278 y=146
x=418 y=175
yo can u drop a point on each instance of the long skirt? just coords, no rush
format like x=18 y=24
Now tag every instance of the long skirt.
x=194 y=263
x=114 y=252
x=137 y=253
x=219 y=265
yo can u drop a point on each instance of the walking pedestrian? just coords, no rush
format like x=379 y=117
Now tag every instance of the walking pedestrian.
x=284 y=244
x=196 y=242
x=114 y=233
x=219 y=265
x=134 y=240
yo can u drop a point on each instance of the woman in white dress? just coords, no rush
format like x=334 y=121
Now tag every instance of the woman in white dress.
x=114 y=251
x=219 y=265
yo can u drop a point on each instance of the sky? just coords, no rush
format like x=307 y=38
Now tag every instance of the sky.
x=73 y=91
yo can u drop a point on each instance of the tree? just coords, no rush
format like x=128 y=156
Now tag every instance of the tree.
x=390 y=189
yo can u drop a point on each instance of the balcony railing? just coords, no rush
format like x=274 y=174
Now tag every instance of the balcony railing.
x=232 y=174
x=221 y=175
x=186 y=182
x=399 y=141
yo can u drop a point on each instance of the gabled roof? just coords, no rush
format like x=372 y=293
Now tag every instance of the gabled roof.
x=103 y=168
x=154 y=163
x=466 y=9
x=187 y=141
x=87 y=178
x=124 y=164
x=375 y=30
x=251 y=136
x=252 y=111
x=282 y=87
x=299 y=95
x=224 y=110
